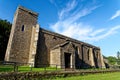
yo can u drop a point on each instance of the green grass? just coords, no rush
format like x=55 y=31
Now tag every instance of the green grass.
x=10 y=68
x=101 y=76
x=25 y=68
x=6 y=68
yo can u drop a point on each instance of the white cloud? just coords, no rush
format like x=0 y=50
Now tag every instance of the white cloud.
x=117 y=14
x=105 y=33
x=69 y=25
x=70 y=6
x=97 y=32
x=76 y=30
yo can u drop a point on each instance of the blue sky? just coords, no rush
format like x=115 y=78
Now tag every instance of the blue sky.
x=93 y=21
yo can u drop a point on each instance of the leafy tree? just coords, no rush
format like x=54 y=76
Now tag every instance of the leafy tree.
x=5 y=28
x=118 y=58
x=112 y=60
x=118 y=55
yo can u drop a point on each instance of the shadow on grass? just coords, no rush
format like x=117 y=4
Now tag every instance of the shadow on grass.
x=6 y=68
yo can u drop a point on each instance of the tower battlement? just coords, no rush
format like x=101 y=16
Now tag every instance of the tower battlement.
x=27 y=10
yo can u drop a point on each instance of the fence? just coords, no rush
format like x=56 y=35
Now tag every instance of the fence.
x=6 y=66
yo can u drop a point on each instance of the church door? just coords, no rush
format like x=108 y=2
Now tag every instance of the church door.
x=67 y=59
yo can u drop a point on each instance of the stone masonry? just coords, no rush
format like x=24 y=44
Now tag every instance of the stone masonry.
x=28 y=43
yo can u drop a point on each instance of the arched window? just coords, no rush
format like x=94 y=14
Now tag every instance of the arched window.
x=23 y=28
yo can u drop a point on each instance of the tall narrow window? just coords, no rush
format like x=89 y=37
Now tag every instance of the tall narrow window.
x=23 y=28
x=88 y=54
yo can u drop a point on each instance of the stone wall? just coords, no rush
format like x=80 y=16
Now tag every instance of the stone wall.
x=85 y=55
x=55 y=58
x=46 y=41
x=33 y=45
x=49 y=75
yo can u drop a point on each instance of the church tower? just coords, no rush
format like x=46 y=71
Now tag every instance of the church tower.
x=23 y=37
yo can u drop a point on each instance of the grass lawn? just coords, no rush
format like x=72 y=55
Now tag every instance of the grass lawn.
x=102 y=76
x=6 y=68
x=26 y=68
x=10 y=68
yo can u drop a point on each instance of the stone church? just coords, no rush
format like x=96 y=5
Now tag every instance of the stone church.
x=29 y=43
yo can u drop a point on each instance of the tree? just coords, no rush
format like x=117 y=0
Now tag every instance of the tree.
x=112 y=60
x=5 y=28
x=118 y=55
x=118 y=58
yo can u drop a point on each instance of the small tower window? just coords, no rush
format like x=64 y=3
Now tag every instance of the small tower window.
x=23 y=28
x=88 y=54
